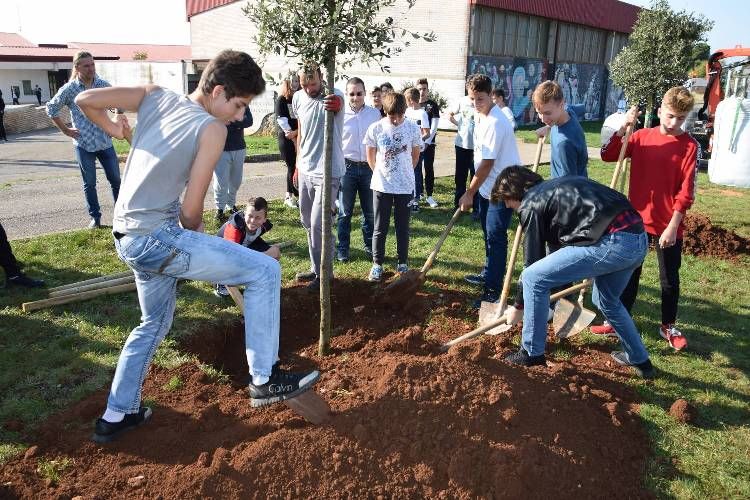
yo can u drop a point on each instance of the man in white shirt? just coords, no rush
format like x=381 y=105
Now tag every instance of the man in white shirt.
x=310 y=105
x=494 y=149
x=357 y=119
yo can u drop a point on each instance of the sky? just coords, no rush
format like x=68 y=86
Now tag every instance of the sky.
x=163 y=21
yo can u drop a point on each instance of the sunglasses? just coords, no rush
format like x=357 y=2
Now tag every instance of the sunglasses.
x=358 y=94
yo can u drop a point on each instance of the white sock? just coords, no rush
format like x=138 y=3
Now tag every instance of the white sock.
x=260 y=380
x=112 y=416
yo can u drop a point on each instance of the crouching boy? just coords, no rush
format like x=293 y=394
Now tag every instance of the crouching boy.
x=175 y=148
x=246 y=228
x=600 y=236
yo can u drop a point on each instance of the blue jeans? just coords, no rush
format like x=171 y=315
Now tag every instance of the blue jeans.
x=87 y=164
x=495 y=219
x=228 y=178
x=356 y=180
x=610 y=261
x=169 y=252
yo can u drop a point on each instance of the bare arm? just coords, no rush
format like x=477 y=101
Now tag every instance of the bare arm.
x=425 y=133
x=94 y=103
x=210 y=146
x=415 y=151
x=70 y=132
x=482 y=171
x=371 y=156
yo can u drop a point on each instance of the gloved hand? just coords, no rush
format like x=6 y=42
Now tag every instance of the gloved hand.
x=332 y=102
x=295 y=179
x=512 y=315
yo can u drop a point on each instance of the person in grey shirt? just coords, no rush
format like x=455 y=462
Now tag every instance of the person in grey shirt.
x=310 y=105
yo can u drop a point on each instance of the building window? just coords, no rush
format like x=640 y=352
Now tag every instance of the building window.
x=27 y=90
x=501 y=33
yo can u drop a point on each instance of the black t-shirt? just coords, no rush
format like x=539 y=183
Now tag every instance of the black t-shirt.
x=433 y=111
x=282 y=111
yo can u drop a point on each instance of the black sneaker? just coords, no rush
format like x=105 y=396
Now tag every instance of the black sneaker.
x=644 y=370
x=21 y=279
x=489 y=295
x=220 y=217
x=522 y=358
x=474 y=279
x=282 y=385
x=104 y=431
x=342 y=257
x=95 y=223
x=221 y=291
x=306 y=276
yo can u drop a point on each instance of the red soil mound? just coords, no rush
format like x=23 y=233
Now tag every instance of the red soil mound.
x=701 y=238
x=408 y=422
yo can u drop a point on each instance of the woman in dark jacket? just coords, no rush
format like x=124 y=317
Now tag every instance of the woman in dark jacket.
x=287 y=135
x=2 y=117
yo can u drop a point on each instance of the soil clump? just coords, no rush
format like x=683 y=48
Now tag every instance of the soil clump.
x=408 y=422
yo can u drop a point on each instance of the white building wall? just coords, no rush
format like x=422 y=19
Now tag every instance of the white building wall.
x=443 y=62
x=10 y=77
x=126 y=73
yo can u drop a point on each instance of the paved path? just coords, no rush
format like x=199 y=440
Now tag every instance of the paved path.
x=41 y=190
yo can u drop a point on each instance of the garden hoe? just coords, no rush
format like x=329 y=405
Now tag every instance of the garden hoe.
x=409 y=283
x=490 y=311
x=571 y=318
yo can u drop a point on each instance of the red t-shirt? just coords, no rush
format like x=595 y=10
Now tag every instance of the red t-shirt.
x=662 y=174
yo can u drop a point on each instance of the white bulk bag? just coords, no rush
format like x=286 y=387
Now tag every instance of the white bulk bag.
x=730 y=155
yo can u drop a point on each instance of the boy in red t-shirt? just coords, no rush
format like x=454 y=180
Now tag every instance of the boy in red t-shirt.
x=662 y=189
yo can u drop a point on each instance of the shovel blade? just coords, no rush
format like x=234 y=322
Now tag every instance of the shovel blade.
x=570 y=318
x=489 y=312
x=310 y=406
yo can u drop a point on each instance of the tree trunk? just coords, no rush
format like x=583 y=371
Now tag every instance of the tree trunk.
x=326 y=258
x=649 y=113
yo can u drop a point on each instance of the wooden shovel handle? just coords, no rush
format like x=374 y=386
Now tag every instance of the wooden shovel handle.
x=517 y=239
x=443 y=236
x=621 y=157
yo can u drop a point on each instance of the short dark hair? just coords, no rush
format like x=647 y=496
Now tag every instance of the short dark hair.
x=513 y=182
x=376 y=89
x=422 y=81
x=386 y=84
x=498 y=92
x=236 y=71
x=394 y=103
x=355 y=81
x=257 y=204
x=479 y=83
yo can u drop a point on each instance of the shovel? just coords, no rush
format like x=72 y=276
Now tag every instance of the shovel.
x=409 y=283
x=569 y=318
x=500 y=323
x=489 y=311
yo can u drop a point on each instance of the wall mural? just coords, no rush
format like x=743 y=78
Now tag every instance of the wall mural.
x=582 y=84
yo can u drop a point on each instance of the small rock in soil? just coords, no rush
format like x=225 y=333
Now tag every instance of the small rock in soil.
x=137 y=481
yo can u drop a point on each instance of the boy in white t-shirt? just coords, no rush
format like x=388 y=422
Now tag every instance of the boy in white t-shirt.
x=494 y=149
x=416 y=114
x=393 y=147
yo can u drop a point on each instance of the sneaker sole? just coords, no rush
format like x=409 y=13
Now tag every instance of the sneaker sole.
x=108 y=438
x=611 y=335
x=257 y=403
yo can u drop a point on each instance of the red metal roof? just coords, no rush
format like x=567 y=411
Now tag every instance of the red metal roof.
x=193 y=7
x=14 y=40
x=126 y=50
x=48 y=54
x=605 y=14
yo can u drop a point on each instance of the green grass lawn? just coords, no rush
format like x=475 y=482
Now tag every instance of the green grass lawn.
x=53 y=357
x=256 y=145
x=592 y=131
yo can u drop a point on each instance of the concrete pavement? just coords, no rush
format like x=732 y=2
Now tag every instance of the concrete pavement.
x=41 y=190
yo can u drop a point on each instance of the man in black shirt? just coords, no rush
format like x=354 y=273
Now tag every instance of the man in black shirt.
x=428 y=156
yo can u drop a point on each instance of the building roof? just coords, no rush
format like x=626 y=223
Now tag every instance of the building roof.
x=14 y=40
x=193 y=7
x=126 y=51
x=611 y=15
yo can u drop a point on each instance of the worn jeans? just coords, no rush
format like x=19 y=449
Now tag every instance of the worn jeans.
x=356 y=180
x=87 y=164
x=495 y=219
x=169 y=252
x=311 y=216
x=610 y=261
x=384 y=202
x=228 y=177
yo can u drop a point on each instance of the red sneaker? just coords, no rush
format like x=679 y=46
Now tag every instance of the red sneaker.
x=675 y=337
x=604 y=330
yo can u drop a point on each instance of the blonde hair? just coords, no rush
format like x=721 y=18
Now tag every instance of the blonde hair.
x=412 y=94
x=81 y=54
x=678 y=99
x=546 y=92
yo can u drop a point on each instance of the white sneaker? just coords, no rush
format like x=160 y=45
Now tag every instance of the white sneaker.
x=402 y=268
x=376 y=273
x=290 y=202
x=431 y=202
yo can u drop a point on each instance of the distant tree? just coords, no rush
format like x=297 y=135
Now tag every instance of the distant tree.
x=433 y=94
x=660 y=54
x=701 y=53
x=140 y=55
x=331 y=33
